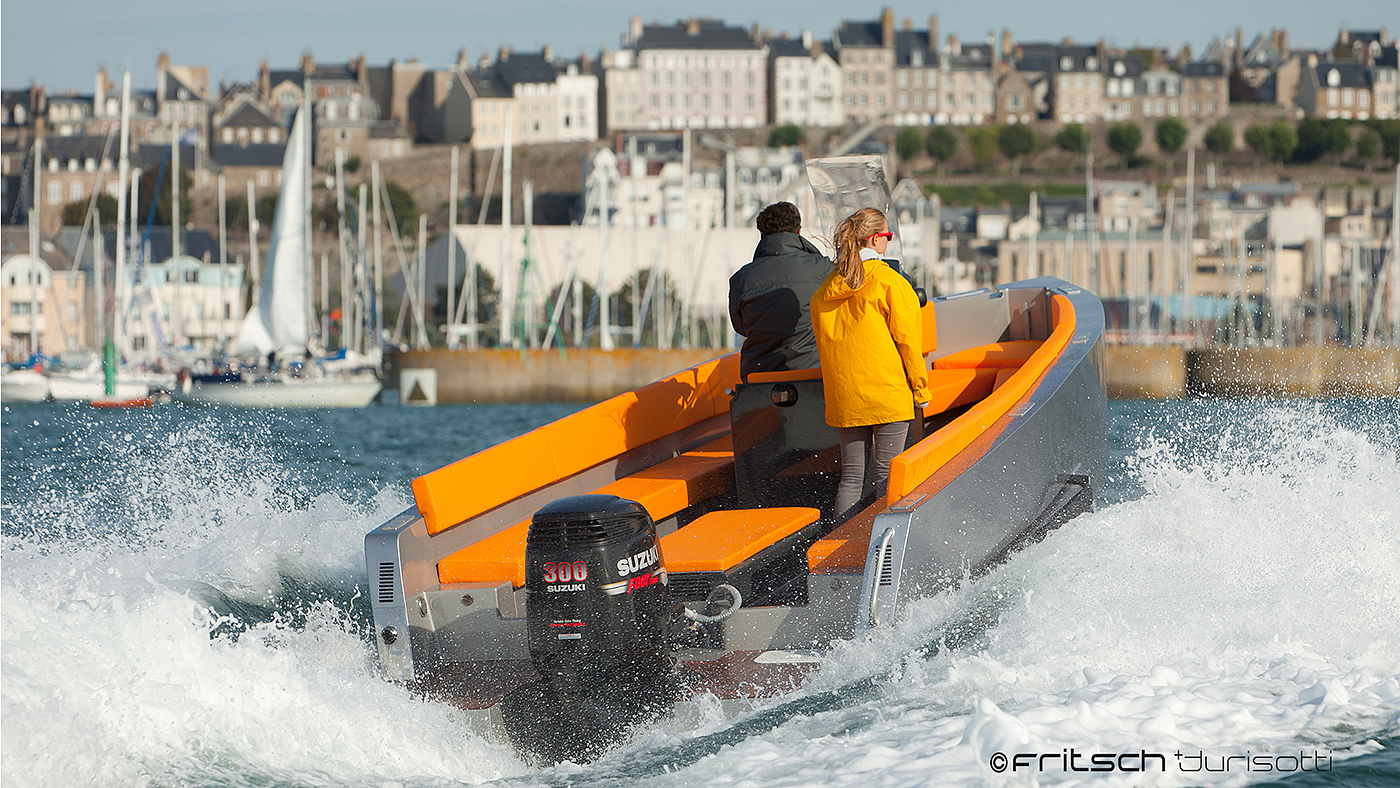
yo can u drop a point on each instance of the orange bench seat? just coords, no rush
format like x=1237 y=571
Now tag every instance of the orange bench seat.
x=663 y=490
x=721 y=540
x=997 y=355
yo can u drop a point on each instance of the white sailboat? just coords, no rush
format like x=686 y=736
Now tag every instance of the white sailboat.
x=278 y=325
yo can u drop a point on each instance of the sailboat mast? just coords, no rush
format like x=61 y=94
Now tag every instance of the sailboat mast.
x=34 y=230
x=452 y=250
x=253 y=273
x=176 y=321
x=123 y=170
x=504 y=302
x=223 y=263
x=309 y=265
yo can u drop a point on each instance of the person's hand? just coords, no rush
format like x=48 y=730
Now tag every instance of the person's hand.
x=920 y=405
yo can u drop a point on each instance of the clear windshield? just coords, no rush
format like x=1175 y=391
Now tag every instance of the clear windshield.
x=842 y=185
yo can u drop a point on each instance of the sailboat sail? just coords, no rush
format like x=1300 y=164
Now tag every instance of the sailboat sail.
x=278 y=321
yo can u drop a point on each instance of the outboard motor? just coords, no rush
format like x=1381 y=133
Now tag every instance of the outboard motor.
x=598 y=618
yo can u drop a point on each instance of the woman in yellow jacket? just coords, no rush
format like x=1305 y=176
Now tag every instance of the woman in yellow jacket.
x=869 y=336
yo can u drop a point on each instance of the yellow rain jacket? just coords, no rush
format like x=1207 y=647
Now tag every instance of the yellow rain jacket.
x=871 y=346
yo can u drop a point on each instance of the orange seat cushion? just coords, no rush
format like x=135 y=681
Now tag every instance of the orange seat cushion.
x=995 y=355
x=721 y=540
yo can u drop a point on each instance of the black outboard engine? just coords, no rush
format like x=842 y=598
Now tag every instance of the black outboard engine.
x=598 y=617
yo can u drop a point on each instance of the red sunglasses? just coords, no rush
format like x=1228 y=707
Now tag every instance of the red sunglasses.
x=887 y=236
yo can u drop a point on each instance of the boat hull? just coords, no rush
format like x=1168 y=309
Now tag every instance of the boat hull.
x=1009 y=455
x=291 y=393
x=83 y=387
x=24 y=385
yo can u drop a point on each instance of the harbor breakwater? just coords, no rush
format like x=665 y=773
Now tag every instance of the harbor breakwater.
x=1133 y=372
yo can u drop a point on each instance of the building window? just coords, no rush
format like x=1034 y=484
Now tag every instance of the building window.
x=55 y=192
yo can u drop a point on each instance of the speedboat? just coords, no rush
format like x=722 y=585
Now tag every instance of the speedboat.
x=568 y=578
x=679 y=539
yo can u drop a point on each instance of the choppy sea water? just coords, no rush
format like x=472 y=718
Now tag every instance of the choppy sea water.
x=183 y=601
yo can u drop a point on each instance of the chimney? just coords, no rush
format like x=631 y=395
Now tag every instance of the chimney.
x=1239 y=45
x=1007 y=44
x=503 y=54
x=907 y=24
x=483 y=63
x=1283 y=42
x=308 y=64
x=99 y=93
x=954 y=45
x=548 y=54
x=162 y=71
x=887 y=27
x=634 y=31
x=807 y=40
x=264 y=81
x=462 y=59
x=933 y=31
x=692 y=27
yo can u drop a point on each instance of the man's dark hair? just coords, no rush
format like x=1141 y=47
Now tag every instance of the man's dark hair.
x=780 y=217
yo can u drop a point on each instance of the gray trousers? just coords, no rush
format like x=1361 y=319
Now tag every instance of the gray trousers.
x=882 y=442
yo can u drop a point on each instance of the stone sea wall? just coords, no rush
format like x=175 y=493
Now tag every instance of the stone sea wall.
x=1133 y=371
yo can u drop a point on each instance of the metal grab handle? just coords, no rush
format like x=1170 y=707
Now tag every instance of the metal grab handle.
x=879 y=569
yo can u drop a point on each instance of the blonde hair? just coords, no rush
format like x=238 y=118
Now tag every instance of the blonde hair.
x=850 y=239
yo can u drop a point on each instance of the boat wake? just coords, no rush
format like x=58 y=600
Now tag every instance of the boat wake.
x=199 y=619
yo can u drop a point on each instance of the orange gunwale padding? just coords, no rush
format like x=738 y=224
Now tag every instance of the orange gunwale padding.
x=663 y=490
x=810 y=373
x=1003 y=375
x=843 y=551
x=506 y=471
x=721 y=540
x=995 y=355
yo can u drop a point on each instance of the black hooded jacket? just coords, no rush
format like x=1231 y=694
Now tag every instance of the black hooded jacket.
x=769 y=304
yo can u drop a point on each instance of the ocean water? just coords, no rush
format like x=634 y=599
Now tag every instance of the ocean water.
x=182 y=603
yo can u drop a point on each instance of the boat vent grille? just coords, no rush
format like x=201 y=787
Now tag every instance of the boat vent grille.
x=887 y=566
x=386 y=583
x=694 y=586
x=565 y=533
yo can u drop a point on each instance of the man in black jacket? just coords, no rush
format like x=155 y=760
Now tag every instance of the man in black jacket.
x=768 y=298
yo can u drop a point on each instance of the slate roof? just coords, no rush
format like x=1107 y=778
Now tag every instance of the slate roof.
x=250 y=116
x=14 y=240
x=1204 y=68
x=1132 y=67
x=711 y=34
x=261 y=155
x=520 y=69
x=787 y=47
x=486 y=83
x=1388 y=57
x=860 y=34
x=193 y=243
x=1350 y=75
x=173 y=84
x=909 y=42
x=80 y=147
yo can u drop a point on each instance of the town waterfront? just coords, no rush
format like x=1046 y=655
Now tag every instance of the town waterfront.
x=184 y=604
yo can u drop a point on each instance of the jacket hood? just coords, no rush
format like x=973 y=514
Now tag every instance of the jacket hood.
x=836 y=288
